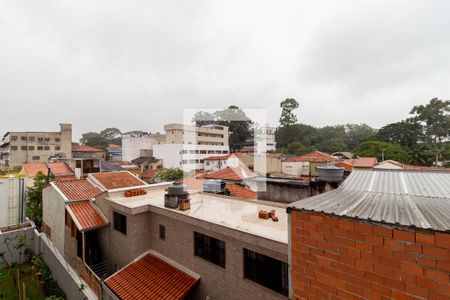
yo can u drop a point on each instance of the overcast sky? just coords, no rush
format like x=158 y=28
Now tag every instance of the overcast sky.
x=137 y=64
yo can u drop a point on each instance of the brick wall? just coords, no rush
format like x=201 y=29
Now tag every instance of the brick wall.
x=338 y=258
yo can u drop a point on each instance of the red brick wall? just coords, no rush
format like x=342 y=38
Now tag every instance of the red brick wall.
x=338 y=258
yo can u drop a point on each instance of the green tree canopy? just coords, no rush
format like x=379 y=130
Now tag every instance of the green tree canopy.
x=376 y=149
x=435 y=118
x=102 y=139
x=287 y=116
x=170 y=174
x=34 y=198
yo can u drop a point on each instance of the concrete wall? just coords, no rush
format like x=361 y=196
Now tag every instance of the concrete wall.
x=295 y=168
x=215 y=282
x=11 y=237
x=334 y=257
x=32 y=140
x=12 y=202
x=53 y=215
x=133 y=144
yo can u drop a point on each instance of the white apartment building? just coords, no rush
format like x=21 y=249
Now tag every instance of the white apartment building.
x=134 y=143
x=187 y=146
x=265 y=138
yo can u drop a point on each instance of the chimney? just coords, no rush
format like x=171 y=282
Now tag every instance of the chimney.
x=177 y=196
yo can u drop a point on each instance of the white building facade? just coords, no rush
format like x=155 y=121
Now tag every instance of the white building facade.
x=187 y=146
x=134 y=143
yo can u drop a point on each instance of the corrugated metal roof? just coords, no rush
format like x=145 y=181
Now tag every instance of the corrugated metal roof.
x=410 y=198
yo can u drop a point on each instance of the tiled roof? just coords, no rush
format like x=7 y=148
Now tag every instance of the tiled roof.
x=86 y=215
x=223 y=157
x=56 y=168
x=314 y=156
x=193 y=183
x=78 y=189
x=66 y=178
x=150 y=173
x=117 y=180
x=240 y=191
x=274 y=154
x=360 y=162
x=231 y=174
x=85 y=148
x=151 y=277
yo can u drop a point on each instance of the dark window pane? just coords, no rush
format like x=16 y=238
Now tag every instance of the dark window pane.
x=162 y=232
x=210 y=249
x=120 y=222
x=266 y=271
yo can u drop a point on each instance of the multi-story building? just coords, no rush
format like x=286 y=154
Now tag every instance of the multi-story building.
x=25 y=147
x=107 y=225
x=133 y=144
x=265 y=138
x=187 y=146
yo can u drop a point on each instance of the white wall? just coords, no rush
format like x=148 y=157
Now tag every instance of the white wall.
x=295 y=168
x=53 y=214
x=9 y=201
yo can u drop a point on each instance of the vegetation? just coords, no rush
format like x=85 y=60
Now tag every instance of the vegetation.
x=102 y=139
x=170 y=174
x=34 y=198
x=9 y=291
x=239 y=125
x=422 y=139
x=43 y=275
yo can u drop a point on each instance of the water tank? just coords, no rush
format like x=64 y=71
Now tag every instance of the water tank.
x=175 y=193
x=330 y=174
x=214 y=185
x=177 y=189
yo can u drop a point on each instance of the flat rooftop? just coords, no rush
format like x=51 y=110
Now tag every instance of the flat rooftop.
x=241 y=215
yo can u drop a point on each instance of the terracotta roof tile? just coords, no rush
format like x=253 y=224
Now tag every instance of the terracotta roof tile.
x=314 y=156
x=230 y=174
x=150 y=173
x=150 y=277
x=193 y=183
x=240 y=191
x=57 y=168
x=360 y=162
x=78 y=189
x=117 y=180
x=85 y=148
x=86 y=215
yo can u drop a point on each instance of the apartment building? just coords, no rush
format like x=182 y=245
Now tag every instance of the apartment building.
x=187 y=146
x=18 y=148
x=265 y=138
x=134 y=144
x=113 y=228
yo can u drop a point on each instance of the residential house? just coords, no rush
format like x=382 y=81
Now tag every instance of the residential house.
x=17 y=148
x=60 y=170
x=214 y=163
x=187 y=146
x=389 y=165
x=357 y=163
x=147 y=163
x=306 y=165
x=383 y=234
x=220 y=245
x=114 y=152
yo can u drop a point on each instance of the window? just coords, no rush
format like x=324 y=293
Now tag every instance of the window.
x=23 y=138
x=36 y=158
x=30 y=147
x=57 y=139
x=210 y=249
x=120 y=222
x=40 y=148
x=31 y=139
x=47 y=139
x=40 y=139
x=224 y=152
x=46 y=147
x=162 y=232
x=13 y=138
x=13 y=148
x=266 y=271
x=23 y=147
x=57 y=148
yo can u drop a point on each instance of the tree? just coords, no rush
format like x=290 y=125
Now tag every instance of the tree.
x=382 y=150
x=170 y=174
x=34 y=198
x=287 y=107
x=332 y=145
x=404 y=133
x=202 y=118
x=357 y=133
x=295 y=147
x=435 y=119
x=287 y=134
x=112 y=135
x=94 y=139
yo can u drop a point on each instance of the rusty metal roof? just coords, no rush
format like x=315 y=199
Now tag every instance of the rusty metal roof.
x=410 y=198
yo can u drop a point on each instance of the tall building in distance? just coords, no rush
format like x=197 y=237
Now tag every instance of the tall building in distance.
x=134 y=144
x=29 y=146
x=186 y=146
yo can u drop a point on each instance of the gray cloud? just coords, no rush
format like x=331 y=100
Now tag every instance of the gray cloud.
x=136 y=64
